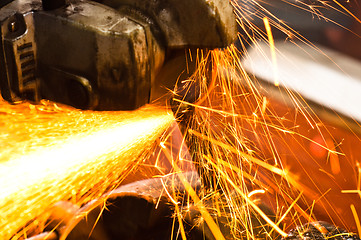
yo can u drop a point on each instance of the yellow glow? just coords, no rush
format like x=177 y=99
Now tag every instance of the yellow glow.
x=357 y=219
x=273 y=50
x=80 y=166
x=52 y=153
x=251 y=203
x=258 y=191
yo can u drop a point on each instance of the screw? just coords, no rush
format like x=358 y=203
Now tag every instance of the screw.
x=13 y=26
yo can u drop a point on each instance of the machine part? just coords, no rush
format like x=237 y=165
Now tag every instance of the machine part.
x=180 y=66
x=49 y=5
x=138 y=210
x=196 y=23
x=143 y=210
x=319 y=231
x=102 y=56
x=68 y=55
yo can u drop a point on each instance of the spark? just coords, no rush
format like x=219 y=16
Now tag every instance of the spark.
x=346 y=10
x=92 y=157
x=246 y=156
x=255 y=192
x=289 y=209
x=273 y=50
x=202 y=209
x=197 y=201
x=235 y=136
x=79 y=155
x=251 y=203
x=357 y=220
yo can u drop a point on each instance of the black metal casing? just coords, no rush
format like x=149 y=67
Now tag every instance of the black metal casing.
x=93 y=56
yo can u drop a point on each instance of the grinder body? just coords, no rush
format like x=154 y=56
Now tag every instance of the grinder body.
x=102 y=56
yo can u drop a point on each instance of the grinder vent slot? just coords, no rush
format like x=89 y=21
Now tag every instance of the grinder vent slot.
x=28 y=65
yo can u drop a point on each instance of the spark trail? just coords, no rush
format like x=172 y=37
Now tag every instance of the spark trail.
x=243 y=142
x=237 y=148
x=51 y=154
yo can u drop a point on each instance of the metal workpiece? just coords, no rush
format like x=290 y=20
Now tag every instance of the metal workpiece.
x=320 y=231
x=145 y=210
x=102 y=56
x=139 y=210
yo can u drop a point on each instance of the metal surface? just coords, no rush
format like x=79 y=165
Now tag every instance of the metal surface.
x=102 y=56
x=139 y=210
x=143 y=210
x=45 y=236
x=319 y=231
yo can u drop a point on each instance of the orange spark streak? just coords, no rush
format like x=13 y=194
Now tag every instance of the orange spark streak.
x=250 y=202
x=104 y=151
x=267 y=166
x=289 y=209
x=198 y=203
x=255 y=192
x=202 y=209
x=273 y=50
x=357 y=220
x=346 y=10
